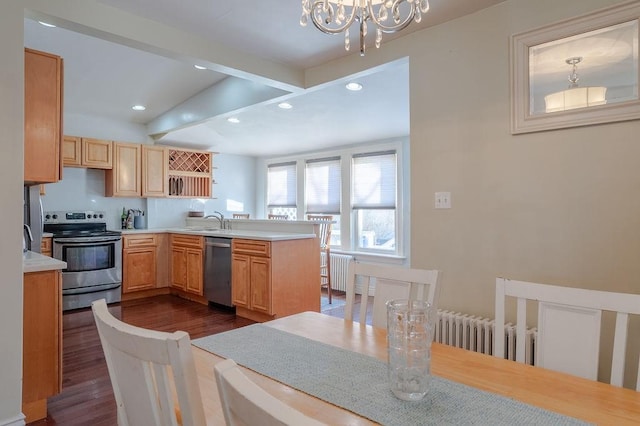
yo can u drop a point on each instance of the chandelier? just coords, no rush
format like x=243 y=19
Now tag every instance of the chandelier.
x=387 y=16
x=575 y=96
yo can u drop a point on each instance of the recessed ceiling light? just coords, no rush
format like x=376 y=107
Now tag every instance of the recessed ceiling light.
x=234 y=120
x=46 y=24
x=199 y=67
x=138 y=107
x=285 y=105
x=354 y=87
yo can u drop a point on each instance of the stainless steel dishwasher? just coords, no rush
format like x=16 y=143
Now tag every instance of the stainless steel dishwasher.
x=217 y=270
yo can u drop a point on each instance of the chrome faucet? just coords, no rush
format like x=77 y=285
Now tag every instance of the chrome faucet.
x=219 y=216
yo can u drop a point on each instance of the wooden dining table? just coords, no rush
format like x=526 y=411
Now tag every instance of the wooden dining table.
x=592 y=401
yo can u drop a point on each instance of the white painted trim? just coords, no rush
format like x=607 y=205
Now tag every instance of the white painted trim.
x=13 y=421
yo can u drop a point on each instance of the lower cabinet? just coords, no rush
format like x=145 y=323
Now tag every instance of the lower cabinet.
x=252 y=283
x=187 y=252
x=139 y=262
x=272 y=279
x=42 y=342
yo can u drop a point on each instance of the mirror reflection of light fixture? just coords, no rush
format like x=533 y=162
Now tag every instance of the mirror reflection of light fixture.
x=575 y=96
x=387 y=16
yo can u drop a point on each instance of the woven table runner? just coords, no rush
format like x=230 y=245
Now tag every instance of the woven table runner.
x=358 y=383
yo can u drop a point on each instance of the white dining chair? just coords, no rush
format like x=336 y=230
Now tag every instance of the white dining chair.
x=569 y=323
x=246 y=403
x=390 y=282
x=142 y=366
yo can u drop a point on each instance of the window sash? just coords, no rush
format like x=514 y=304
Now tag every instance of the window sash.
x=323 y=185
x=281 y=185
x=374 y=180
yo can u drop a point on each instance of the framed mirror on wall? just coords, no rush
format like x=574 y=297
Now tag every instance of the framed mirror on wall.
x=577 y=72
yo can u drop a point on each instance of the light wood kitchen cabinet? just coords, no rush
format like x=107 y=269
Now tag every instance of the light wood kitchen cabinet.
x=71 y=151
x=190 y=173
x=123 y=180
x=46 y=246
x=42 y=342
x=43 y=82
x=155 y=169
x=251 y=276
x=272 y=279
x=187 y=252
x=139 y=262
x=87 y=152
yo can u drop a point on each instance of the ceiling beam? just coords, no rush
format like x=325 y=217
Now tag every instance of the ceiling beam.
x=98 y=20
x=228 y=95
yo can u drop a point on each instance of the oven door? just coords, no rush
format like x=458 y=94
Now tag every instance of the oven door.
x=92 y=263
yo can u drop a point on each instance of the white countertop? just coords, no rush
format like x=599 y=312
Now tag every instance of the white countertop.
x=36 y=262
x=227 y=233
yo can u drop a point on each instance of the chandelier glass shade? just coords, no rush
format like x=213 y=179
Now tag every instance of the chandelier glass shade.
x=575 y=96
x=386 y=16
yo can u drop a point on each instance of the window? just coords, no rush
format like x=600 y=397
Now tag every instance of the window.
x=360 y=186
x=323 y=189
x=374 y=200
x=281 y=190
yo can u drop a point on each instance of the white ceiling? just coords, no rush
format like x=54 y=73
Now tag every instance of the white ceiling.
x=105 y=79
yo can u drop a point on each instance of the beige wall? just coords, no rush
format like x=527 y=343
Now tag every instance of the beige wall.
x=559 y=207
x=11 y=134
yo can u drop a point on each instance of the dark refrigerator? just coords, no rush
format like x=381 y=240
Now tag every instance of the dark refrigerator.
x=33 y=216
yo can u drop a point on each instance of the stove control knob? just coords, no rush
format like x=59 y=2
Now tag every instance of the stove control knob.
x=48 y=216
x=55 y=216
x=100 y=215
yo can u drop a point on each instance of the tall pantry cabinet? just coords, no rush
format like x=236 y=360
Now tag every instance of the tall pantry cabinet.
x=43 y=82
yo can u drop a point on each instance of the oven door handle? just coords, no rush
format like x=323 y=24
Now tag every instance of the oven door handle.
x=90 y=289
x=83 y=241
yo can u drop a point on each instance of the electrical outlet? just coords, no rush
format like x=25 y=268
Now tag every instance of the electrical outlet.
x=443 y=200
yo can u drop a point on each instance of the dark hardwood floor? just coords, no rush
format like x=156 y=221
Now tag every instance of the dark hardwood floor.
x=87 y=396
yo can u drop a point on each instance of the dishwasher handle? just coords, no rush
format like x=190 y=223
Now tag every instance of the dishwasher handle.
x=222 y=245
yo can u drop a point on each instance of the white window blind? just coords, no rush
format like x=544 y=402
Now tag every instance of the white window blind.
x=374 y=180
x=281 y=185
x=323 y=185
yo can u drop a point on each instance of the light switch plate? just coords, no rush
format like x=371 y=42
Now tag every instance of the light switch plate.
x=443 y=200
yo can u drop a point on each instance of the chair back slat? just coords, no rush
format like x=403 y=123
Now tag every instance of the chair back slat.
x=569 y=326
x=619 y=348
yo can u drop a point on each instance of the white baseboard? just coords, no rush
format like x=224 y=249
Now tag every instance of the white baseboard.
x=13 y=421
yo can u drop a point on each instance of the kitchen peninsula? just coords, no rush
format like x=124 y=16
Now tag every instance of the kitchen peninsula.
x=274 y=266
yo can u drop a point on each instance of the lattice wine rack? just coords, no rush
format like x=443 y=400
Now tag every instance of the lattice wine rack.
x=190 y=173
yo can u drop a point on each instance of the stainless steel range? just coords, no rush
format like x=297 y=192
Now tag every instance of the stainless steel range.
x=93 y=255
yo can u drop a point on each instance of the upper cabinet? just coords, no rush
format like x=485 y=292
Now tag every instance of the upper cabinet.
x=155 y=169
x=123 y=180
x=42 y=117
x=158 y=171
x=87 y=152
x=190 y=173
x=138 y=171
